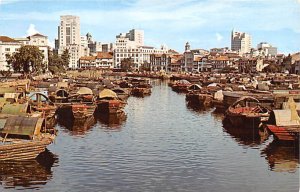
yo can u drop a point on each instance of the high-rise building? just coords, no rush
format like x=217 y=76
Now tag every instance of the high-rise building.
x=69 y=38
x=137 y=36
x=240 y=42
x=69 y=30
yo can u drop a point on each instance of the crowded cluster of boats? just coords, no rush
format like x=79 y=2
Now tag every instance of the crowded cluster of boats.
x=266 y=102
x=30 y=109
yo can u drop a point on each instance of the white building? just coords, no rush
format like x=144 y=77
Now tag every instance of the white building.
x=131 y=45
x=69 y=38
x=7 y=46
x=39 y=40
x=11 y=45
x=240 y=42
x=267 y=49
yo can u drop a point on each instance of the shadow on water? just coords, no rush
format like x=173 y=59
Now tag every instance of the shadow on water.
x=75 y=126
x=198 y=109
x=245 y=136
x=112 y=121
x=282 y=157
x=28 y=174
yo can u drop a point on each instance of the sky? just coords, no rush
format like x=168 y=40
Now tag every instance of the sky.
x=203 y=23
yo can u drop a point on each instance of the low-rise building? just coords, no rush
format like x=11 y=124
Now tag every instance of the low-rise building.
x=219 y=63
x=159 y=62
x=177 y=60
x=7 y=46
x=102 y=60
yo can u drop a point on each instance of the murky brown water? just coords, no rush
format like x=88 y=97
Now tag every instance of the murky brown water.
x=159 y=145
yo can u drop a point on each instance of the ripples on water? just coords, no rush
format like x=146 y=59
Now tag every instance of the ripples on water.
x=159 y=145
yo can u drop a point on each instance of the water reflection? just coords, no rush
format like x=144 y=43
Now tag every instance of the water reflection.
x=245 y=136
x=218 y=116
x=282 y=157
x=198 y=109
x=77 y=127
x=29 y=174
x=112 y=121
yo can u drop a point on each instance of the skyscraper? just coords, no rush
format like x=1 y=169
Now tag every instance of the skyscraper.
x=69 y=30
x=69 y=38
x=240 y=42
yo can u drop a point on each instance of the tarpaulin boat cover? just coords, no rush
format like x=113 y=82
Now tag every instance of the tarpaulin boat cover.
x=15 y=109
x=4 y=90
x=18 y=125
x=84 y=91
x=107 y=93
x=286 y=117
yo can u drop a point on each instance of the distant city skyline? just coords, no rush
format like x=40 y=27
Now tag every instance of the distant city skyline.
x=205 y=24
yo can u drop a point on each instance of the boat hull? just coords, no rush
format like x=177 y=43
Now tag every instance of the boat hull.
x=282 y=133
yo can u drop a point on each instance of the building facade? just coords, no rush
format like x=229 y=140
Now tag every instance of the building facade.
x=7 y=46
x=102 y=60
x=240 y=42
x=131 y=45
x=69 y=38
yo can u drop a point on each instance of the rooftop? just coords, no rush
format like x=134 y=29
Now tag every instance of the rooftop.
x=7 y=39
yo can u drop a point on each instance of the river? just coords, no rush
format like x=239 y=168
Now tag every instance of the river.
x=160 y=145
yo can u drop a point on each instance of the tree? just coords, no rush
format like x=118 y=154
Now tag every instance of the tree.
x=28 y=59
x=65 y=58
x=55 y=63
x=127 y=64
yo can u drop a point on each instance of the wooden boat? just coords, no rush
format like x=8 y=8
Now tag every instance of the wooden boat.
x=109 y=103
x=80 y=106
x=181 y=86
x=247 y=112
x=23 y=137
x=59 y=96
x=122 y=94
x=40 y=103
x=141 y=90
x=285 y=124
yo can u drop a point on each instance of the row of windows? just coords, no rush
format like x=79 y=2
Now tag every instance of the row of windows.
x=134 y=60
x=8 y=49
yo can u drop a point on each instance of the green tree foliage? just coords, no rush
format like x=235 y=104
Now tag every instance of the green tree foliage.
x=29 y=59
x=127 y=64
x=65 y=58
x=55 y=63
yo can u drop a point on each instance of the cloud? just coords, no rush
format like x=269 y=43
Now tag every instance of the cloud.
x=219 y=37
x=31 y=30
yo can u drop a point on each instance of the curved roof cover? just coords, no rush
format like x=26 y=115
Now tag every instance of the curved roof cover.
x=107 y=93
x=85 y=91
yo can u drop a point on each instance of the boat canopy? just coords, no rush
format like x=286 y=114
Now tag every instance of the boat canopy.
x=18 y=125
x=15 y=108
x=85 y=91
x=107 y=93
x=195 y=87
x=245 y=98
x=4 y=90
x=286 y=117
x=183 y=81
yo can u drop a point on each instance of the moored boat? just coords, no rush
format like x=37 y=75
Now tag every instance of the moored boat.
x=247 y=112
x=285 y=124
x=109 y=103
x=23 y=137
